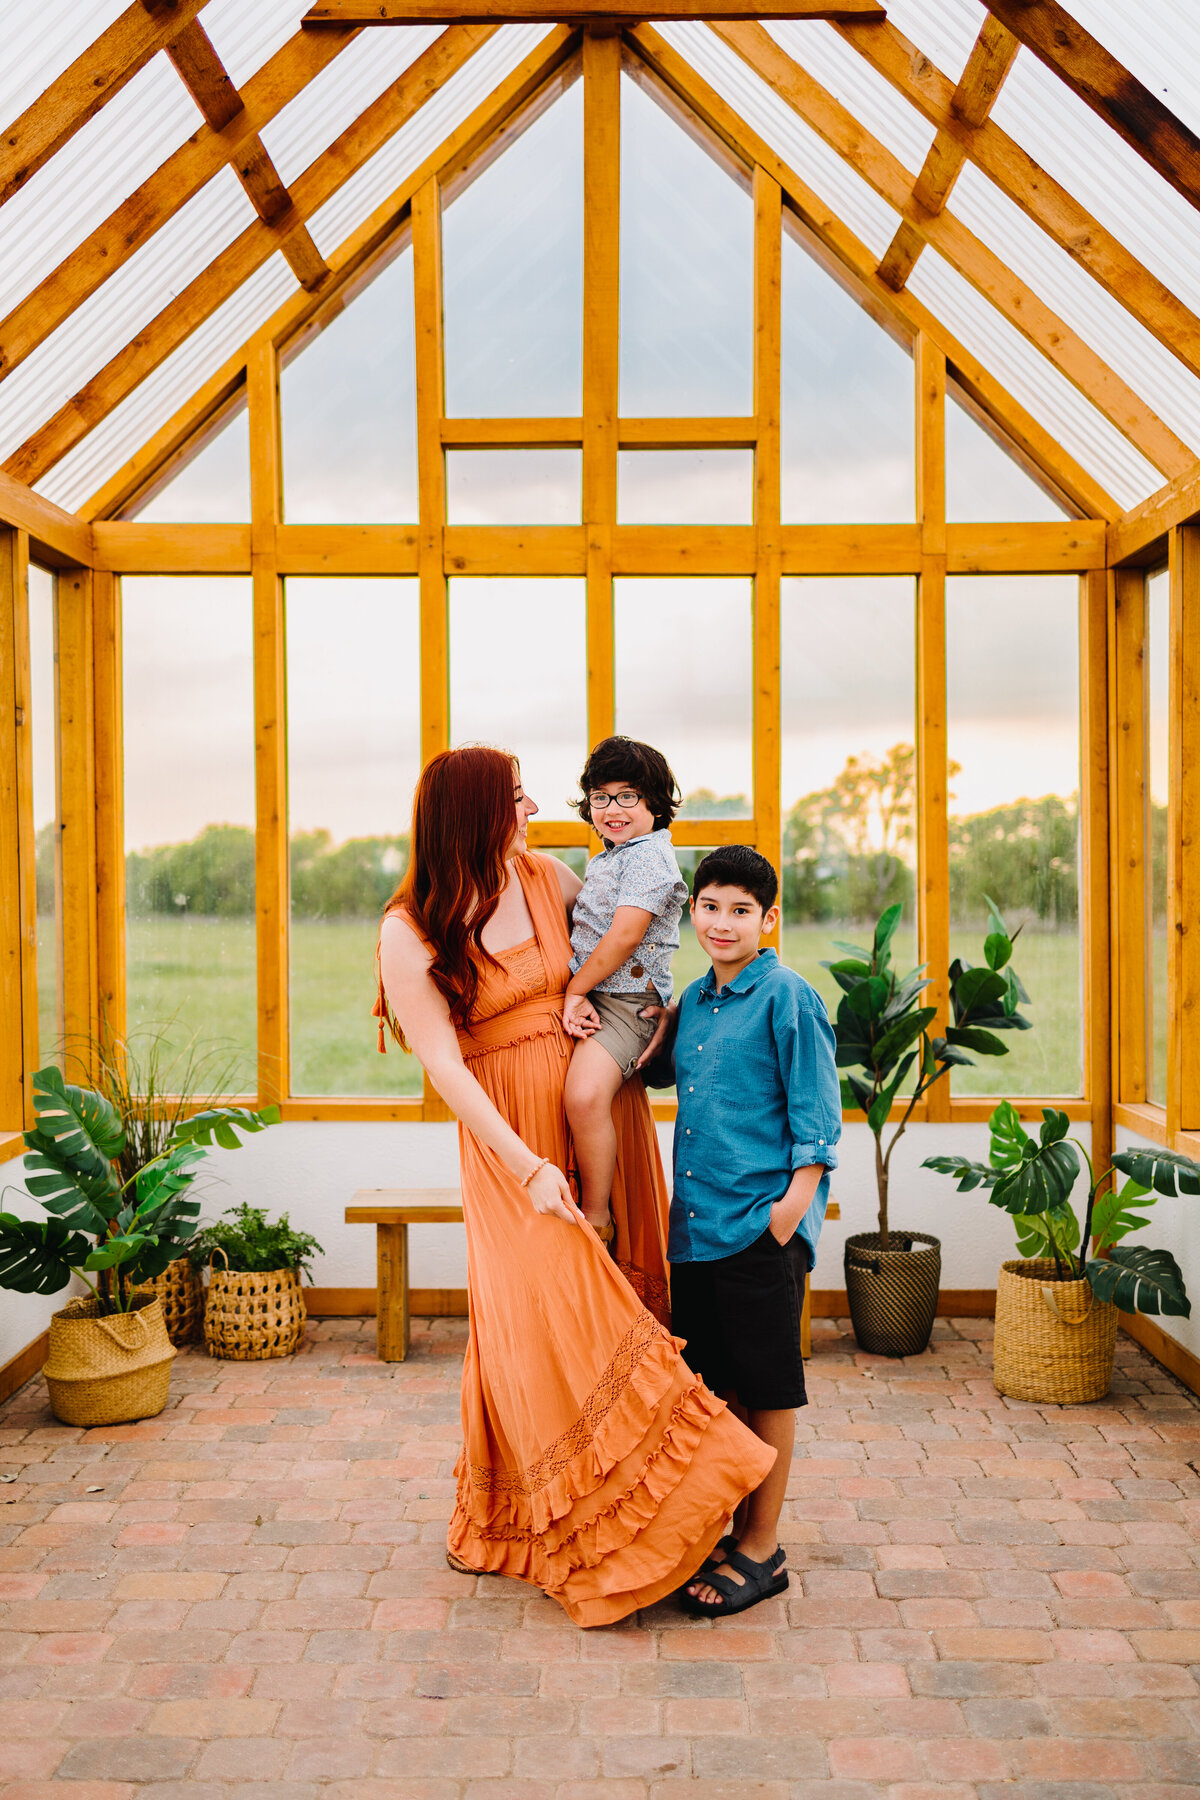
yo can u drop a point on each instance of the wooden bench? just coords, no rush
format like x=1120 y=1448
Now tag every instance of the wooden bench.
x=440 y=1206
x=391 y=1211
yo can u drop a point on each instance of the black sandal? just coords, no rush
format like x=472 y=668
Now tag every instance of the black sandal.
x=725 y=1546
x=760 y=1581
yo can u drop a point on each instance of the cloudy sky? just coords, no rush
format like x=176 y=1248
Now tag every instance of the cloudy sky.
x=513 y=288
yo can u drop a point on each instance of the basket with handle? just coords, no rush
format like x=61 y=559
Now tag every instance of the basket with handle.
x=180 y=1292
x=107 y=1369
x=252 y=1316
x=1055 y=1341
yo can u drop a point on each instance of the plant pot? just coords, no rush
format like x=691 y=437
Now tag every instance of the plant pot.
x=893 y=1292
x=108 y=1370
x=248 y=1317
x=1054 y=1340
x=180 y=1292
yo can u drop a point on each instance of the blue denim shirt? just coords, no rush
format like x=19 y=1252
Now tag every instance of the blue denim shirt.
x=759 y=1098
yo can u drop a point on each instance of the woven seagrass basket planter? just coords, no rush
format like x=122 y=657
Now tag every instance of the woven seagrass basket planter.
x=248 y=1317
x=1055 y=1341
x=893 y=1292
x=180 y=1292
x=111 y=1369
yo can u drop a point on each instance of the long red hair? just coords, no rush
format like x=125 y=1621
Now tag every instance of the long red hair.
x=462 y=830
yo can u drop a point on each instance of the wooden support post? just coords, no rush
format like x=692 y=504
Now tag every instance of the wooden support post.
x=271 y=874
x=1130 y=914
x=768 y=326
x=12 y=727
x=110 y=808
x=392 y=1325
x=25 y=894
x=1183 y=836
x=933 y=852
x=431 y=475
x=77 y=817
x=601 y=259
x=1094 y=863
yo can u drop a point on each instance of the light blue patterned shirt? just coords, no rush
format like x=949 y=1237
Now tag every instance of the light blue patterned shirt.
x=642 y=873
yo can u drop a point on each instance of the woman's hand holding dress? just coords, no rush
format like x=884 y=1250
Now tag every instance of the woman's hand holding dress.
x=550 y=1193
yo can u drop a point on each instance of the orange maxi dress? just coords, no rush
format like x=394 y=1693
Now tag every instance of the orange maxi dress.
x=595 y=1464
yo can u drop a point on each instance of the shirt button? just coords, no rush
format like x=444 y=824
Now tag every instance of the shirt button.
x=688 y=1131
x=716 y=1009
x=691 y=1090
x=691 y=1215
x=689 y=1174
x=699 y=1046
x=820 y=1140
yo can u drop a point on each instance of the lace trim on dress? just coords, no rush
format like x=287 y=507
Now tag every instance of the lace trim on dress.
x=525 y=966
x=653 y=1294
x=644 y=1332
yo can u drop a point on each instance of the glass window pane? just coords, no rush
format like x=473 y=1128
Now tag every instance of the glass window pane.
x=1012 y=681
x=514 y=487
x=849 y=767
x=687 y=272
x=189 y=812
x=212 y=487
x=512 y=276
x=43 y=698
x=518 y=678
x=354 y=753
x=982 y=481
x=847 y=406
x=684 y=684
x=1158 y=757
x=685 y=487
x=349 y=411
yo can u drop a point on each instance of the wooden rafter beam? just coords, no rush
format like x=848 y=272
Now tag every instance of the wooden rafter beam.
x=966 y=253
x=990 y=60
x=162 y=194
x=197 y=302
x=142 y=30
x=832 y=243
x=203 y=74
x=1132 y=536
x=1106 y=85
x=46 y=523
x=574 y=12
x=1038 y=195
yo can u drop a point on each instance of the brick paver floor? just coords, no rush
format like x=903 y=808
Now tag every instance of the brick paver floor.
x=248 y=1593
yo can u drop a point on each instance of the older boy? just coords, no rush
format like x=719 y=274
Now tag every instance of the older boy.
x=759 y=1116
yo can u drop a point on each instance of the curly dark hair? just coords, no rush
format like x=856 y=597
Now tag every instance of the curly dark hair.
x=642 y=766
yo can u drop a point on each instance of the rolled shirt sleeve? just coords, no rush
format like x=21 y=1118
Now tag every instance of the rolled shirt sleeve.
x=807 y=1059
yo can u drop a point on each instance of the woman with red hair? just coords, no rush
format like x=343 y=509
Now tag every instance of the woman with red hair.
x=594 y=1463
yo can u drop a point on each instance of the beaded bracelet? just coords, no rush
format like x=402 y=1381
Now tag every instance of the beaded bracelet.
x=534 y=1171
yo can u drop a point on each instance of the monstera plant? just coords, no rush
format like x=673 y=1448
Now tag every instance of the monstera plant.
x=884 y=1042
x=124 y=1232
x=1033 y=1179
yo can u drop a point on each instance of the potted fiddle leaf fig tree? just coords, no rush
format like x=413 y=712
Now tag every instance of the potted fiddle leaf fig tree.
x=110 y=1356
x=1057 y=1304
x=883 y=1043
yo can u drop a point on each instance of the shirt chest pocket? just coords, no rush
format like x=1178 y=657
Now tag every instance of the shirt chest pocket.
x=748 y=1068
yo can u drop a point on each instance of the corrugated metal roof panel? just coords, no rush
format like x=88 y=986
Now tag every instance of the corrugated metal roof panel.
x=244 y=36
x=41 y=39
x=851 y=79
x=446 y=109
x=131 y=424
x=944 y=29
x=1159 y=43
x=857 y=204
x=1130 y=350
x=90 y=176
x=113 y=315
x=1036 y=383
x=335 y=97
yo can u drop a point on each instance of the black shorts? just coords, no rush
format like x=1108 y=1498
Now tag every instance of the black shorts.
x=740 y=1316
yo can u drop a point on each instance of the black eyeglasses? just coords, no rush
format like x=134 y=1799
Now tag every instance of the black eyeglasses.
x=601 y=802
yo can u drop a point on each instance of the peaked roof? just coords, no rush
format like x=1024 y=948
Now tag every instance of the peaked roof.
x=179 y=172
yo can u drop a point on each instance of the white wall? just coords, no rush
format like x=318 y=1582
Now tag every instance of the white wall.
x=311 y=1170
x=1174 y=1225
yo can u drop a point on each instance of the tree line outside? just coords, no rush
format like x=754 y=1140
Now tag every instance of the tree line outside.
x=849 y=851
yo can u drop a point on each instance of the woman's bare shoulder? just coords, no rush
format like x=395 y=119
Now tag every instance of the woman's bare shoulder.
x=568 y=881
x=400 y=937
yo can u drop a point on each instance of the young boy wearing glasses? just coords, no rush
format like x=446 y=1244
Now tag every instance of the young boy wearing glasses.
x=624 y=929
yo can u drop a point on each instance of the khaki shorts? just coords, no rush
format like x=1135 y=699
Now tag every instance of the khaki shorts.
x=621 y=1032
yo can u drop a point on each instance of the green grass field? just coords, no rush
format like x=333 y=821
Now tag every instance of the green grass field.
x=202 y=971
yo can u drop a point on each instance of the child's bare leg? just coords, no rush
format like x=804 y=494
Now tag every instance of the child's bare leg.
x=759 y=1533
x=593 y=1081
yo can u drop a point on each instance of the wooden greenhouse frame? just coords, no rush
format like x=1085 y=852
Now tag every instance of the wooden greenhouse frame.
x=1109 y=550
